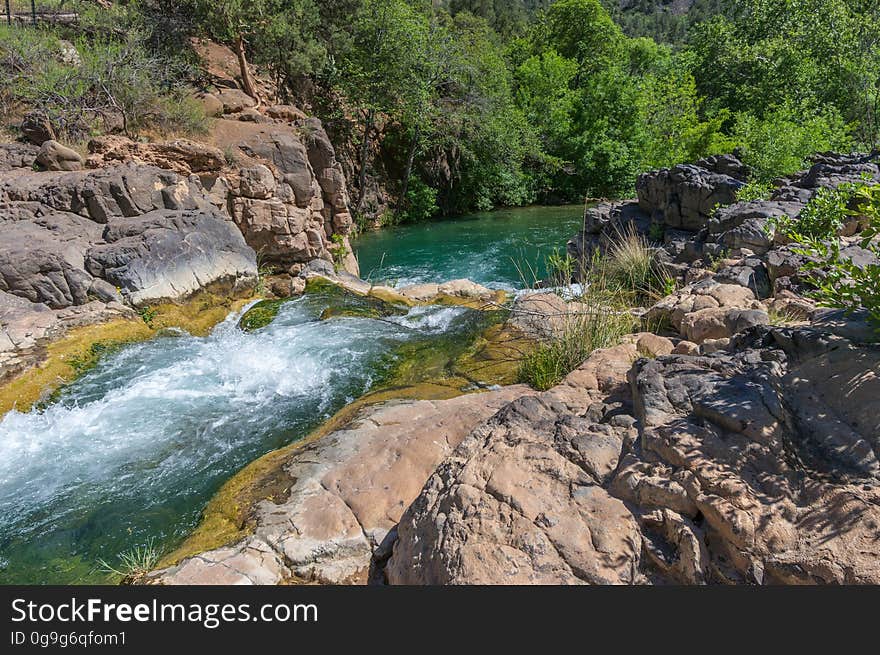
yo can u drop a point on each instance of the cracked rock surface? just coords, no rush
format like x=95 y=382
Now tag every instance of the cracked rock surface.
x=85 y=244
x=345 y=494
x=756 y=466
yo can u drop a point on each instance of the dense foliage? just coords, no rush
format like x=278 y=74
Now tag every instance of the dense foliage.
x=471 y=104
x=838 y=280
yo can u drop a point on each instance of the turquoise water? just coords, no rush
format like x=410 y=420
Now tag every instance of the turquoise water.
x=498 y=249
x=130 y=453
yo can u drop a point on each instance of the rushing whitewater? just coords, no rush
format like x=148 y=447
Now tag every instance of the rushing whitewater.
x=132 y=451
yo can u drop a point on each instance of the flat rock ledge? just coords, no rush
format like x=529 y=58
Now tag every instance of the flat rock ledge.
x=346 y=494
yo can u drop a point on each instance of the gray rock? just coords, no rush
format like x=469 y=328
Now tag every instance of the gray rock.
x=17 y=155
x=43 y=260
x=36 y=128
x=257 y=182
x=170 y=254
x=234 y=100
x=685 y=195
x=726 y=165
x=750 y=273
x=162 y=239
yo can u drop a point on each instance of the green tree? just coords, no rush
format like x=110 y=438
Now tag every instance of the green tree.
x=232 y=22
x=380 y=68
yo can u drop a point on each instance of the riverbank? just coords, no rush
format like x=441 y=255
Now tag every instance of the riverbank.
x=718 y=451
x=154 y=428
x=61 y=361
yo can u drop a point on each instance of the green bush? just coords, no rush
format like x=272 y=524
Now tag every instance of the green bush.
x=839 y=282
x=822 y=218
x=421 y=202
x=779 y=143
x=118 y=86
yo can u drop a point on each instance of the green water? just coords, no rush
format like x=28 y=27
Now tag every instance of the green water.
x=130 y=453
x=498 y=249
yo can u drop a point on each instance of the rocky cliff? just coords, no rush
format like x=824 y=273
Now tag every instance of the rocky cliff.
x=135 y=224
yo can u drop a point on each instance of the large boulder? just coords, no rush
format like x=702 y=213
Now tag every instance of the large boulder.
x=771 y=467
x=345 y=495
x=293 y=218
x=180 y=155
x=745 y=224
x=758 y=466
x=43 y=260
x=148 y=231
x=56 y=157
x=523 y=500
x=685 y=196
x=234 y=101
x=171 y=254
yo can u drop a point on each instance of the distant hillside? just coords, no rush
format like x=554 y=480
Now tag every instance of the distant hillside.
x=663 y=20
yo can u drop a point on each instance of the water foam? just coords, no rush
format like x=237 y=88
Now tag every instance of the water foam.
x=163 y=423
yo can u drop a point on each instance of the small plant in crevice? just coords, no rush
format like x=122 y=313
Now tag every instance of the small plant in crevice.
x=340 y=252
x=231 y=154
x=755 y=190
x=133 y=564
x=148 y=314
x=657 y=232
x=779 y=318
x=264 y=270
x=716 y=262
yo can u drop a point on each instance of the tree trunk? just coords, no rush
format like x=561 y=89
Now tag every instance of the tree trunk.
x=365 y=152
x=410 y=159
x=247 y=79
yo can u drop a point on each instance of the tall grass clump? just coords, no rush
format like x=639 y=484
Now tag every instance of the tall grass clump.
x=133 y=564
x=626 y=275
x=629 y=271
x=592 y=325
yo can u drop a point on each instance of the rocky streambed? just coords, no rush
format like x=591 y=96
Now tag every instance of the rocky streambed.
x=734 y=442
x=739 y=448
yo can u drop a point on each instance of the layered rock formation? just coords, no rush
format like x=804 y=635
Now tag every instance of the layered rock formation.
x=146 y=223
x=87 y=245
x=758 y=466
x=732 y=270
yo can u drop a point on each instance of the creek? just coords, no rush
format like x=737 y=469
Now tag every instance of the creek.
x=129 y=454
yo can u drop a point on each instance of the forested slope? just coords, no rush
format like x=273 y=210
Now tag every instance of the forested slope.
x=447 y=107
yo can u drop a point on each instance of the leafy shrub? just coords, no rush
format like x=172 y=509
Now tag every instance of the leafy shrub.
x=779 y=143
x=839 y=282
x=117 y=86
x=755 y=190
x=421 y=202
x=822 y=218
